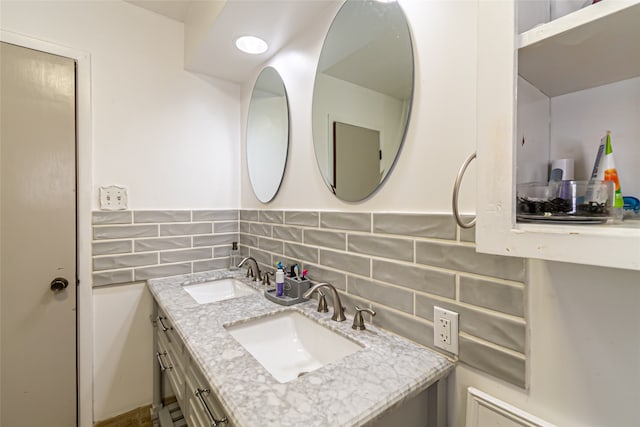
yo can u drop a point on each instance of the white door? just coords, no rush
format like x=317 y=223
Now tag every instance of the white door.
x=38 y=239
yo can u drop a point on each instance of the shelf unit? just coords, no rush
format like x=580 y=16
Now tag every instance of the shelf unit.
x=553 y=91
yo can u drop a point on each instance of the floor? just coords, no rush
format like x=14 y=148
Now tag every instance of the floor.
x=139 y=417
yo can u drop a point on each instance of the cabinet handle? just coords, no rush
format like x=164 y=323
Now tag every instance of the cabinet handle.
x=212 y=420
x=162 y=366
x=164 y=328
x=456 y=190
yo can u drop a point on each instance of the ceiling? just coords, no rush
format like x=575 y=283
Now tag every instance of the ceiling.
x=275 y=21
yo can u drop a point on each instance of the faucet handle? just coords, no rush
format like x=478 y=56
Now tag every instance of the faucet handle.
x=266 y=280
x=322 y=302
x=250 y=272
x=358 y=320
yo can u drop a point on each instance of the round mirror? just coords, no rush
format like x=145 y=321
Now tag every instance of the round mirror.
x=267 y=134
x=362 y=96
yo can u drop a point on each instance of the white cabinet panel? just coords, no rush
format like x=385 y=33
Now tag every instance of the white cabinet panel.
x=512 y=107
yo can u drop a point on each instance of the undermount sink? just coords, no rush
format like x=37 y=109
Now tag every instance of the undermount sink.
x=218 y=290
x=289 y=344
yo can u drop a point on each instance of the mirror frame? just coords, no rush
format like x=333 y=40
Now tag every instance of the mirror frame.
x=270 y=194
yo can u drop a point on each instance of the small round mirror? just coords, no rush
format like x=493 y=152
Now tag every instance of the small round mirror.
x=362 y=96
x=267 y=134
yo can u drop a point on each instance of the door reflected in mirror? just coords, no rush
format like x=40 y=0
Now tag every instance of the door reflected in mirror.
x=362 y=97
x=267 y=134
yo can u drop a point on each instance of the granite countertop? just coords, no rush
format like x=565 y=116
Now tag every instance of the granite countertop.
x=352 y=391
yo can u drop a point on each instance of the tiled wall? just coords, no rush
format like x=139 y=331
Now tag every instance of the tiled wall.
x=401 y=265
x=138 y=245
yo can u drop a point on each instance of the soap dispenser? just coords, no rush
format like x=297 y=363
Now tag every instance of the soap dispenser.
x=234 y=256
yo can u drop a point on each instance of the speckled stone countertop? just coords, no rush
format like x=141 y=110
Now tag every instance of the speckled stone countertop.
x=350 y=392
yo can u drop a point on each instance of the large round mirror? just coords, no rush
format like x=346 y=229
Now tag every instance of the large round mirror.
x=362 y=96
x=267 y=134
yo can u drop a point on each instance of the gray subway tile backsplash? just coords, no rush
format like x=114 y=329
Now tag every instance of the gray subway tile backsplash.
x=216 y=240
x=271 y=245
x=495 y=362
x=352 y=221
x=161 y=216
x=336 y=278
x=186 y=229
x=403 y=324
x=124 y=232
x=185 y=255
x=400 y=264
x=417 y=278
x=226 y=227
x=111 y=217
x=208 y=215
x=465 y=258
x=326 y=239
x=248 y=215
x=384 y=247
x=162 y=243
x=210 y=264
x=346 y=262
x=419 y=225
x=272 y=217
x=398 y=298
x=164 y=270
x=260 y=229
x=493 y=295
x=503 y=331
x=301 y=252
x=302 y=218
x=112 y=247
x=288 y=233
x=115 y=262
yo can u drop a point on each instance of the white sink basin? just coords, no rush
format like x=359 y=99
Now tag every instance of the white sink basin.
x=289 y=344
x=218 y=290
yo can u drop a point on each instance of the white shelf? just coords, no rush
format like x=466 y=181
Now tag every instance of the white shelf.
x=596 y=45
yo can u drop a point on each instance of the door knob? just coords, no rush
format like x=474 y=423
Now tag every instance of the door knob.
x=58 y=284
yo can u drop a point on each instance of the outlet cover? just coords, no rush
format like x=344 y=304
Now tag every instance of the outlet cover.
x=113 y=198
x=445 y=329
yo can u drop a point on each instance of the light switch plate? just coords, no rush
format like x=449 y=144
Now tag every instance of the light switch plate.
x=113 y=198
x=445 y=329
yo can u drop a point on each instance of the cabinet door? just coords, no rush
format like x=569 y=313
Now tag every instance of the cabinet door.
x=202 y=403
x=498 y=232
x=170 y=355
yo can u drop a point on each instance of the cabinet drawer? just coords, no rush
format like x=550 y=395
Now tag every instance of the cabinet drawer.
x=166 y=328
x=174 y=364
x=198 y=394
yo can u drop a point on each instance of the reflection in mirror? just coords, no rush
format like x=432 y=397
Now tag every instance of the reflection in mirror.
x=362 y=96
x=267 y=134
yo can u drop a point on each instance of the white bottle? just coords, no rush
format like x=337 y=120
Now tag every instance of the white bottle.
x=279 y=283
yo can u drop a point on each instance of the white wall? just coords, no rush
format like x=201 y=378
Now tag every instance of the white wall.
x=584 y=350
x=581 y=372
x=171 y=137
x=442 y=127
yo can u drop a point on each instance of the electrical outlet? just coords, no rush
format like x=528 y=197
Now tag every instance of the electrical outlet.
x=445 y=329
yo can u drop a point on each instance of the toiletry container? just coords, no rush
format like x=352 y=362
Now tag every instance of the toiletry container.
x=234 y=256
x=279 y=282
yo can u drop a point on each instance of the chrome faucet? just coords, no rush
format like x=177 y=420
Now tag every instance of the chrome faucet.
x=254 y=267
x=338 y=310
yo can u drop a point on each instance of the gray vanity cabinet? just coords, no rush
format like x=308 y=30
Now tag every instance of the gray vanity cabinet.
x=173 y=366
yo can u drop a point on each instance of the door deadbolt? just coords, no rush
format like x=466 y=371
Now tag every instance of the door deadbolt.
x=58 y=284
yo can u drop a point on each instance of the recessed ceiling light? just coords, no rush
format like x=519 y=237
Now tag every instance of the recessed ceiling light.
x=251 y=44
